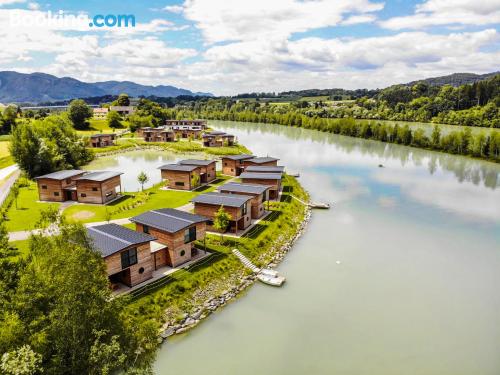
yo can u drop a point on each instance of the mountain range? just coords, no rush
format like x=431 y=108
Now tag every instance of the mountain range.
x=455 y=79
x=40 y=87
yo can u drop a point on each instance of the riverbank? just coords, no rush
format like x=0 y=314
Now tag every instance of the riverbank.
x=193 y=294
x=461 y=142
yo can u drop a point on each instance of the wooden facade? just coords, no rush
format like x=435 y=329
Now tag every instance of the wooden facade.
x=177 y=251
x=102 y=140
x=181 y=180
x=234 y=165
x=57 y=190
x=98 y=192
x=218 y=139
x=208 y=172
x=270 y=163
x=274 y=185
x=134 y=274
x=240 y=216
x=256 y=204
x=158 y=135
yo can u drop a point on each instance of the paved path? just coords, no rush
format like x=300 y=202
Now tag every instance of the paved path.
x=14 y=173
x=25 y=234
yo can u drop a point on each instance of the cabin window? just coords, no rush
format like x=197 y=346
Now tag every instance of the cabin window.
x=179 y=183
x=225 y=164
x=94 y=189
x=244 y=209
x=183 y=253
x=44 y=187
x=141 y=270
x=129 y=258
x=190 y=235
x=83 y=195
x=56 y=193
x=145 y=228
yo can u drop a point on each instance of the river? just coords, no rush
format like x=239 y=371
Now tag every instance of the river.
x=401 y=276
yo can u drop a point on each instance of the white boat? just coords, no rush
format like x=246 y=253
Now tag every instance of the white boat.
x=270 y=280
x=269 y=272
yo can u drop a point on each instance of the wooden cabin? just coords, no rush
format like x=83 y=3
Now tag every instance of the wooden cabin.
x=127 y=253
x=194 y=124
x=102 y=140
x=273 y=180
x=123 y=110
x=261 y=161
x=158 y=135
x=258 y=193
x=238 y=206
x=186 y=128
x=232 y=165
x=100 y=113
x=99 y=187
x=265 y=169
x=175 y=232
x=58 y=186
x=217 y=139
x=181 y=177
x=207 y=169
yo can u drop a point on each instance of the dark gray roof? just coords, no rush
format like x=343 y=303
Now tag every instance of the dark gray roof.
x=111 y=238
x=99 y=175
x=216 y=132
x=198 y=162
x=264 y=159
x=261 y=176
x=220 y=199
x=178 y=167
x=265 y=168
x=243 y=188
x=168 y=219
x=62 y=175
x=238 y=157
x=102 y=135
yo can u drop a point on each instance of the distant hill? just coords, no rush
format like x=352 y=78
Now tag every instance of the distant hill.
x=40 y=87
x=455 y=79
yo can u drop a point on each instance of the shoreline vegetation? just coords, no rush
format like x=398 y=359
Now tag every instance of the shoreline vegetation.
x=460 y=142
x=146 y=316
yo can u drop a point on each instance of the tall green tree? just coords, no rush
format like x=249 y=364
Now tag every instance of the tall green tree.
x=123 y=100
x=142 y=178
x=62 y=308
x=221 y=221
x=114 y=120
x=78 y=113
x=8 y=119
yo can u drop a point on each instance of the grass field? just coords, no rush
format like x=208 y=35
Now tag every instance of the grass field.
x=28 y=209
x=100 y=126
x=158 y=198
x=5 y=157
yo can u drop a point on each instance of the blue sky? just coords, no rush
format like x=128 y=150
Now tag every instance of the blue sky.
x=227 y=47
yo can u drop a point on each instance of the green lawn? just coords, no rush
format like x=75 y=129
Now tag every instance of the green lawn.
x=28 y=211
x=5 y=157
x=158 y=198
x=100 y=126
x=22 y=248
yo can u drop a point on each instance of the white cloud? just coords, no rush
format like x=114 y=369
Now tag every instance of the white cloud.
x=9 y=2
x=33 y=6
x=237 y=20
x=173 y=9
x=447 y=12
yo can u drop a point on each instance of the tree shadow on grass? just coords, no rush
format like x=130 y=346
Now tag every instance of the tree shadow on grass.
x=255 y=231
x=287 y=189
x=285 y=198
x=273 y=216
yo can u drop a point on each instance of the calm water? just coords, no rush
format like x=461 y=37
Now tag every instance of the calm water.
x=133 y=162
x=417 y=287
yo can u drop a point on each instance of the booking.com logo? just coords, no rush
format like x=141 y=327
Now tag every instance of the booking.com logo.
x=112 y=20
x=61 y=20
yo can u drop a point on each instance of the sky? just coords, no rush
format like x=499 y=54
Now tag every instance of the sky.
x=233 y=46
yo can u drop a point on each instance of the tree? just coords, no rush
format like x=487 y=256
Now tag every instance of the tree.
x=8 y=119
x=195 y=181
x=14 y=190
x=142 y=178
x=48 y=145
x=22 y=361
x=435 y=136
x=114 y=120
x=63 y=308
x=79 y=112
x=221 y=221
x=123 y=100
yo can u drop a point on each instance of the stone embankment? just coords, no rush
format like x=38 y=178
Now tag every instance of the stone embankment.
x=209 y=299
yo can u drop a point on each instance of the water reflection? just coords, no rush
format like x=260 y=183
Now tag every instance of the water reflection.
x=422 y=176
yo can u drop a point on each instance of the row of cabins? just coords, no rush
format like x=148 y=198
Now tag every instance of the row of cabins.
x=165 y=237
x=162 y=237
x=98 y=187
x=102 y=113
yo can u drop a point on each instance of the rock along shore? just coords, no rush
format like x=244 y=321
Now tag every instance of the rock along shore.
x=212 y=300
